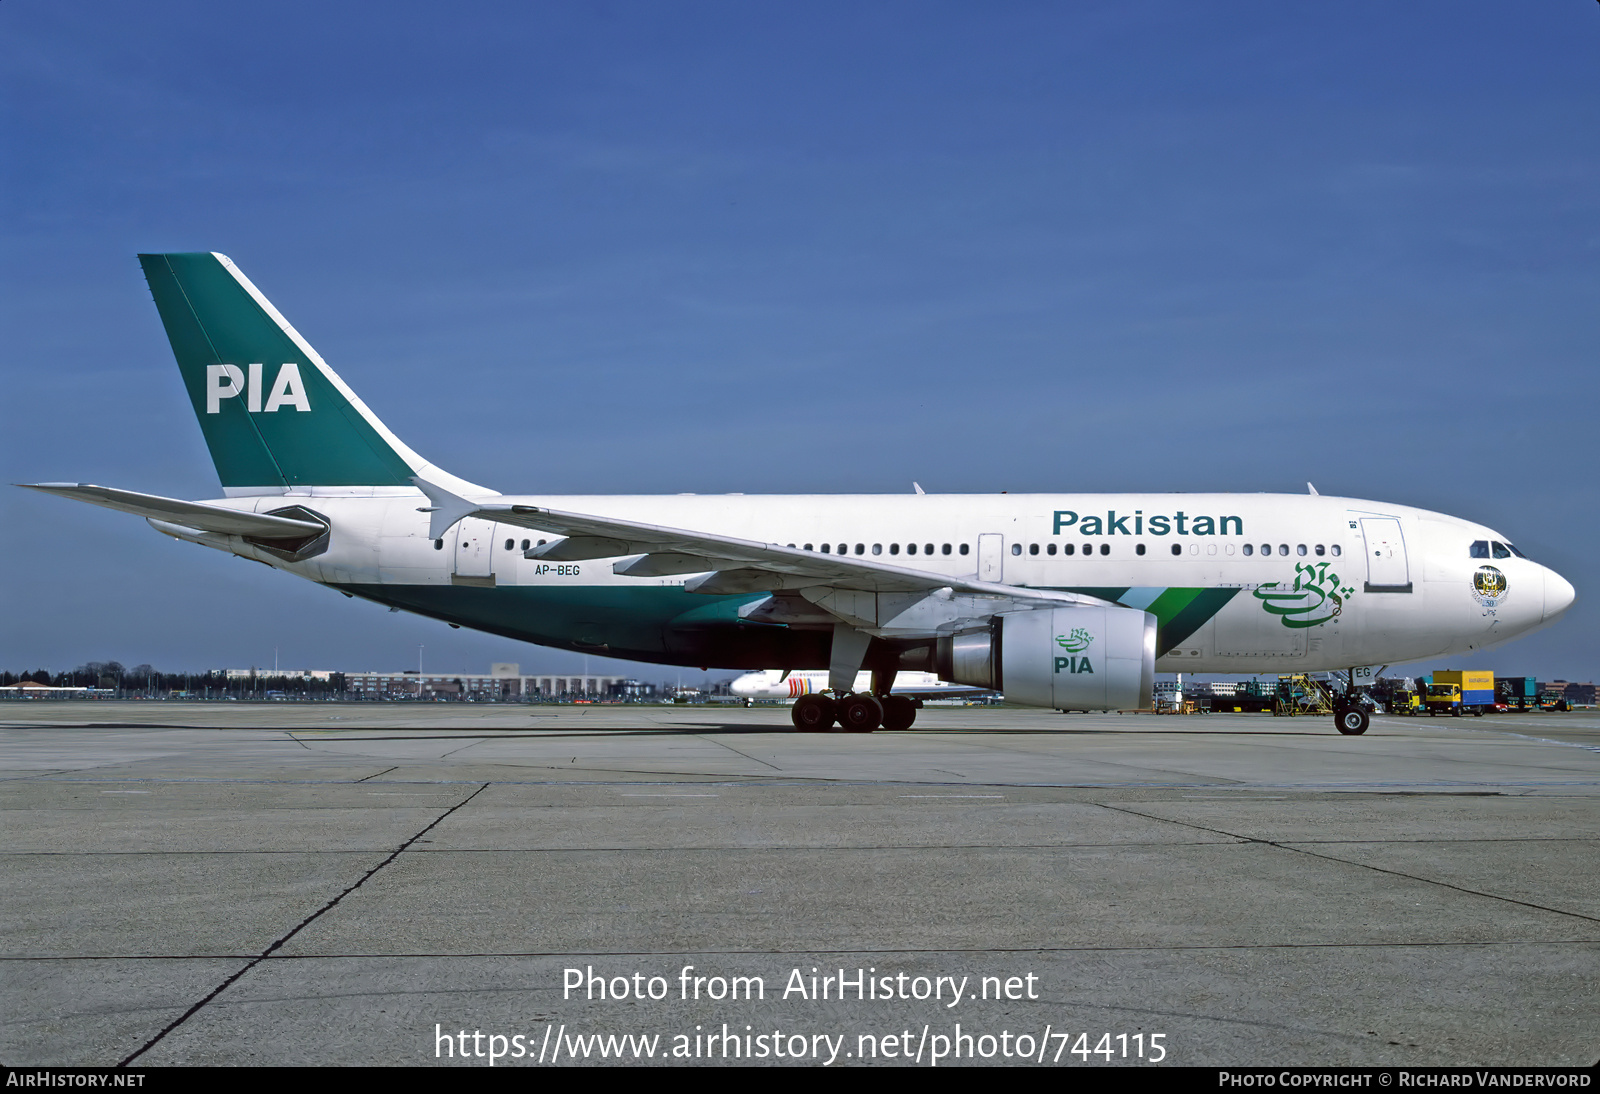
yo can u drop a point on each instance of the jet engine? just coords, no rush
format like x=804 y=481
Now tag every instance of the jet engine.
x=1076 y=658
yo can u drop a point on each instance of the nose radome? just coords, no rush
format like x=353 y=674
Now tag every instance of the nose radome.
x=1558 y=594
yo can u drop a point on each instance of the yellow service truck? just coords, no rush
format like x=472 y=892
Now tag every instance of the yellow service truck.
x=1459 y=692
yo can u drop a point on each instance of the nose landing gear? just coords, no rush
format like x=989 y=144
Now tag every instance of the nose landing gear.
x=1349 y=715
x=1352 y=721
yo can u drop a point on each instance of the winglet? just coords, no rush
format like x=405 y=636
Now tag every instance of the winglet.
x=447 y=508
x=1312 y=490
x=917 y=486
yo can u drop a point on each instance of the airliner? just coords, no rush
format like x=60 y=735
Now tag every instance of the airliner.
x=784 y=685
x=1063 y=601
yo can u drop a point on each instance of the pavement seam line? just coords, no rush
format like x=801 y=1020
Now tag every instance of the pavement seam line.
x=1085 y=948
x=736 y=752
x=1300 y=850
x=296 y=929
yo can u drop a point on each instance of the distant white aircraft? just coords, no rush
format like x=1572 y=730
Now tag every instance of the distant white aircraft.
x=1065 y=601
x=783 y=685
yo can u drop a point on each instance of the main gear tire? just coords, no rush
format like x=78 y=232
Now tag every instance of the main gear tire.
x=899 y=712
x=860 y=714
x=813 y=714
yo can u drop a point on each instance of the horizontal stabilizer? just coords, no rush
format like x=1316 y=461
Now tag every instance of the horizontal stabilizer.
x=191 y=514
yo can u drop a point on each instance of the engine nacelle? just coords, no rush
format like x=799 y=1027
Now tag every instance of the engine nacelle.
x=1078 y=658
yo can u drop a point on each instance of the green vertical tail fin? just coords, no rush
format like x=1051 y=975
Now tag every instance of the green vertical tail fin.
x=273 y=413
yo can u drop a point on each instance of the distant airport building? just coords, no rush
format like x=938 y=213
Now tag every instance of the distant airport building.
x=503 y=681
x=29 y=690
x=292 y=674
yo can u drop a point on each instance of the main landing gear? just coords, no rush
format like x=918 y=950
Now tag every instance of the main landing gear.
x=856 y=713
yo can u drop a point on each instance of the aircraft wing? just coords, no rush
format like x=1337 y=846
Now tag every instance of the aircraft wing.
x=198 y=515
x=734 y=565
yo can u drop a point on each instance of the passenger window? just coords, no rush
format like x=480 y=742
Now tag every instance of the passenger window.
x=1266 y=548
x=844 y=548
x=1335 y=550
x=827 y=549
x=438 y=545
x=1321 y=550
x=524 y=545
x=1050 y=549
x=877 y=548
x=808 y=546
x=1033 y=548
x=1105 y=548
x=1248 y=550
x=1500 y=551
x=1139 y=550
x=1016 y=548
x=1228 y=548
x=510 y=543
x=927 y=549
x=541 y=543
x=1211 y=549
x=1177 y=548
x=1480 y=548
x=1300 y=549
x=1283 y=548
x=963 y=548
x=894 y=549
x=1068 y=548
x=1088 y=548
x=946 y=550
x=911 y=549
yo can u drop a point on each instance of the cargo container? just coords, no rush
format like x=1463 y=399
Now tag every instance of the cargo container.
x=1518 y=692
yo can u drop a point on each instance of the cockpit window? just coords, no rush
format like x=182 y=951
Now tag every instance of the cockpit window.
x=1500 y=550
x=1480 y=548
x=1512 y=547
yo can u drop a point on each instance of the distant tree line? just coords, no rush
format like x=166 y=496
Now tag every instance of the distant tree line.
x=143 y=680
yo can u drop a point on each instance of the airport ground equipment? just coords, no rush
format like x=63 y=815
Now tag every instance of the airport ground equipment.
x=1398 y=695
x=1299 y=693
x=1459 y=691
x=1519 y=693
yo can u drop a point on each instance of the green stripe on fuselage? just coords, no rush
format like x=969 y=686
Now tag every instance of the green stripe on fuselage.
x=1179 y=612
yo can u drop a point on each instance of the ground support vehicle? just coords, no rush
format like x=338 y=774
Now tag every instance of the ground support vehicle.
x=1519 y=693
x=1461 y=691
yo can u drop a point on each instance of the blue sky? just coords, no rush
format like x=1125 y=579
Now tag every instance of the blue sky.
x=617 y=248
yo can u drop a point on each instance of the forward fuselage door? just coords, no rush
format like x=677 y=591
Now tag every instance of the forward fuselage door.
x=1388 y=570
x=474 y=562
x=991 y=557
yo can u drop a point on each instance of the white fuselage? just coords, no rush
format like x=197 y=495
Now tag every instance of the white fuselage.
x=1307 y=582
